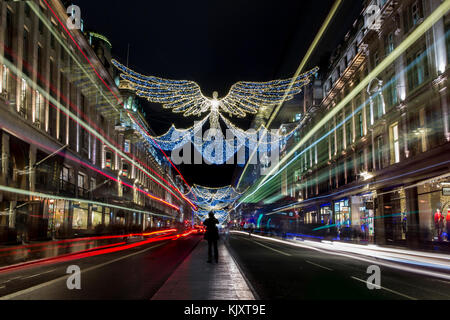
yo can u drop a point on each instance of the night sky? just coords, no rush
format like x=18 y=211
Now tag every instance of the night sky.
x=215 y=43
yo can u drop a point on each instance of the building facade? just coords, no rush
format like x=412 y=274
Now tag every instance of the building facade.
x=379 y=170
x=65 y=132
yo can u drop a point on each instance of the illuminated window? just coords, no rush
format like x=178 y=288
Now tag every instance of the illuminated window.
x=23 y=98
x=4 y=79
x=395 y=144
x=38 y=107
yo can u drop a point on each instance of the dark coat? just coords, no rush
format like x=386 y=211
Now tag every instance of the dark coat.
x=212 y=232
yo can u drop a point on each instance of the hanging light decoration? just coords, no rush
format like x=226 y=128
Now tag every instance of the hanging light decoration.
x=214 y=200
x=183 y=96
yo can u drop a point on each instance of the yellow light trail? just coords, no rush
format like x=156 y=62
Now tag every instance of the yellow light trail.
x=305 y=59
x=412 y=38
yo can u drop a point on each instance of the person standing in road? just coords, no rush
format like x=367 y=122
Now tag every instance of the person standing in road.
x=212 y=235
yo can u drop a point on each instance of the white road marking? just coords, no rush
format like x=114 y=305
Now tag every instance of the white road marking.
x=389 y=290
x=39 y=274
x=318 y=265
x=270 y=248
x=45 y=284
x=9 y=280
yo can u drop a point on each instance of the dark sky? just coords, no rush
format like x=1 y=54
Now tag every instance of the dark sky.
x=215 y=43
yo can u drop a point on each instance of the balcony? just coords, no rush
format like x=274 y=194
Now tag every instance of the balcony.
x=66 y=188
x=83 y=193
x=345 y=76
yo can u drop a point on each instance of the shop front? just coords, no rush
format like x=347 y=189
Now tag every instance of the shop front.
x=394 y=214
x=57 y=214
x=326 y=214
x=108 y=216
x=342 y=218
x=434 y=209
x=97 y=216
x=80 y=216
x=362 y=217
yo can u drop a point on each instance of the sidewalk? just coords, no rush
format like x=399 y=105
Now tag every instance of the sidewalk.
x=195 y=279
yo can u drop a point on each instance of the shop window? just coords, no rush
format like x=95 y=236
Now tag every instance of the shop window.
x=97 y=213
x=326 y=214
x=80 y=216
x=108 y=215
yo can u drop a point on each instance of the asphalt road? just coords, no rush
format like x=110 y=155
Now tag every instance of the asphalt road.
x=135 y=273
x=280 y=271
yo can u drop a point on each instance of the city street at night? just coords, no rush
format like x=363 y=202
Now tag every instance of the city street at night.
x=225 y=159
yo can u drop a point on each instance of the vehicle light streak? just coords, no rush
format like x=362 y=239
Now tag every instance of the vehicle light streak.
x=102 y=80
x=95 y=238
x=110 y=248
x=437 y=14
x=411 y=257
x=342 y=123
x=300 y=68
x=75 y=118
x=78 y=120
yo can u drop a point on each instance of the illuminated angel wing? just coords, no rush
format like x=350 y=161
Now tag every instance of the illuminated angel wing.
x=182 y=96
x=248 y=97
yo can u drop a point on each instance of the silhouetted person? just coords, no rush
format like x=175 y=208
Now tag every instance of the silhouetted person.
x=212 y=235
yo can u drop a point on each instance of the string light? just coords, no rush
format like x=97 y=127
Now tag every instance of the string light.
x=183 y=96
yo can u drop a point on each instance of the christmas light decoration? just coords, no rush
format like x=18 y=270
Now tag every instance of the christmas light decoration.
x=176 y=138
x=214 y=200
x=183 y=96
